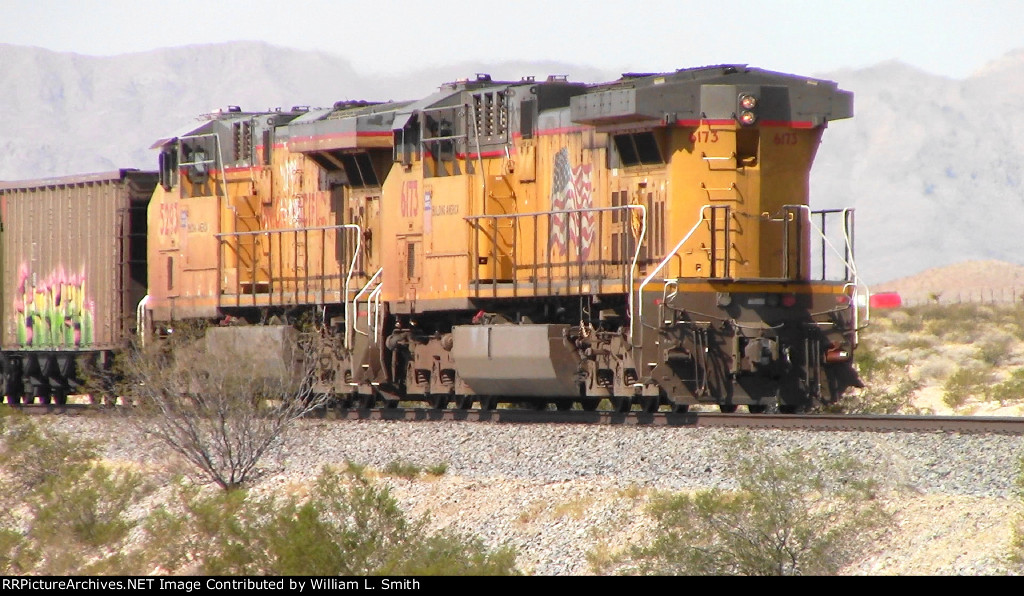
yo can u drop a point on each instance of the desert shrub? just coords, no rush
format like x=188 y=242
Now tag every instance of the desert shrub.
x=937 y=368
x=1016 y=549
x=410 y=471
x=73 y=518
x=402 y=469
x=909 y=320
x=347 y=526
x=790 y=514
x=217 y=408
x=964 y=384
x=994 y=349
x=888 y=386
x=1011 y=389
x=917 y=342
x=438 y=469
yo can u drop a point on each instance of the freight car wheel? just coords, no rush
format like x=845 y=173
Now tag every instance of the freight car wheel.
x=622 y=404
x=13 y=390
x=438 y=401
x=680 y=408
x=366 y=401
x=757 y=409
x=464 y=402
x=563 y=405
x=590 y=405
x=650 y=403
x=727 y=408
x=60 y=397
x=488 y=403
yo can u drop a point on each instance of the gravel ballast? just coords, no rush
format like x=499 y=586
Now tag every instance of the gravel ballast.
x=556 y=493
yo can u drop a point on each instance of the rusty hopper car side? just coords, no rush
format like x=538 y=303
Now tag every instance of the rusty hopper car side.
x=74 y=270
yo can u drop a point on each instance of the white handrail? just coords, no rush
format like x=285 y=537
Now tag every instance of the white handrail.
x=668 y=257
x=850 y=264
x=351 y=316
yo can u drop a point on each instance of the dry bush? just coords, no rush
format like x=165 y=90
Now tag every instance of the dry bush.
x=349 y=526
x=219 y=405
x=791 y=514
x=964 y=384
x=70 y=515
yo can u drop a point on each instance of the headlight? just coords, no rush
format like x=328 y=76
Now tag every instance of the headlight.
x=748 y=102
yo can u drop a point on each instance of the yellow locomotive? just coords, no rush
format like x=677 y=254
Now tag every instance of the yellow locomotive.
x=647 y=241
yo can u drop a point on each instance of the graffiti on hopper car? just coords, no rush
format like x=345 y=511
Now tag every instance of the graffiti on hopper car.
x=53 y=311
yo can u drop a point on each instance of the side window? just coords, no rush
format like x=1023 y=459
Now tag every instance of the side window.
x=639 y=148
x=440 y=136
x=168 y=168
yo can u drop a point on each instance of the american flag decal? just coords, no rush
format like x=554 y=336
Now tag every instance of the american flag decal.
x=571 y=190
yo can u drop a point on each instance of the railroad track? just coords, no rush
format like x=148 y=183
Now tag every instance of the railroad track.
x=822 y=422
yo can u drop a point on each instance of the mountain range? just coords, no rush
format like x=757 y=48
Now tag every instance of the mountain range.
x=932 y=165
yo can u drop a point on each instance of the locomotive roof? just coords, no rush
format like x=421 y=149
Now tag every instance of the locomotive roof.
x=208 y=122
x=342 y=126
x=710 y=93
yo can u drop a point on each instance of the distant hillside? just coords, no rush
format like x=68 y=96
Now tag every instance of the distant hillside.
x=932 y=165
x=969 y=281
x=63 y=113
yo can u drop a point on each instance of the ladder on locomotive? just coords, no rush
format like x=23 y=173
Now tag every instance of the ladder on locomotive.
x=719 y=223
x=253 y=269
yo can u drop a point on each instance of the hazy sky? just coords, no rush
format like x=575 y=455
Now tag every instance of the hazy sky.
x=946 y=37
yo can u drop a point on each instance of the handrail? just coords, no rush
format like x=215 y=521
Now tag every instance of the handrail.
x=375 y=298
x=849 y=263
x=353 y=316
x=355 y=253
x=639 y=244
x=668 y=257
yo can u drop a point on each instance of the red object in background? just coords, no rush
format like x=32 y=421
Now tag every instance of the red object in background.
x=886 y=300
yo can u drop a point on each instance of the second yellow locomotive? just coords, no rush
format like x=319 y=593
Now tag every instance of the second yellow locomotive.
x=648 y=242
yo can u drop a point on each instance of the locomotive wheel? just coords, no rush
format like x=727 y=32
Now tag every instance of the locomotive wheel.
x=727 y=408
